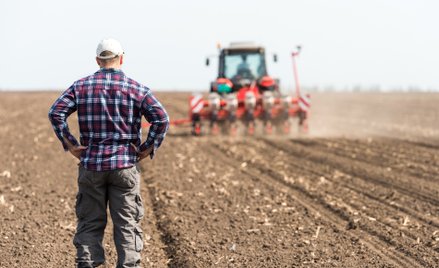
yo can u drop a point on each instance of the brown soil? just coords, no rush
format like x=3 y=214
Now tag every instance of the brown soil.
x=361 y=190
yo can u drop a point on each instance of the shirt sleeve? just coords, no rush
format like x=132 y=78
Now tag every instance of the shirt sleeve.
x=58 y=113
x=157 y=116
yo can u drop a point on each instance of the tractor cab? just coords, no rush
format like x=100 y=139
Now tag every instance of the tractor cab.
x=241 y=62
x=240 y=65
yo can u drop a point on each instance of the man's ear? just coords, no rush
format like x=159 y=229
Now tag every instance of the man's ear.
x=121 y=60
x=98 y=62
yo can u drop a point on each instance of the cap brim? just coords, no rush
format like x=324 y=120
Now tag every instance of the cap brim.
x=107 y=57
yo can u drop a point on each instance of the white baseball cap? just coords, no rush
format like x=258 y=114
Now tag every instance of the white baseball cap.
x=110 y=45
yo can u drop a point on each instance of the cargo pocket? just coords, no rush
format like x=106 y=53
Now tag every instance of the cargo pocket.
x=78 y=206
x=140 y=211
x=125 y=178
x=138 y=239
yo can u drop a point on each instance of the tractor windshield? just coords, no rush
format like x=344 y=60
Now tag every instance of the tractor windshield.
x=244 y=66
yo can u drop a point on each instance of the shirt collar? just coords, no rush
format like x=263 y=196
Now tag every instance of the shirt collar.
x=109 y=70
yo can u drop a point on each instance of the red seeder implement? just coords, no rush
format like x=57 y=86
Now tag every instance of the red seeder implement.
x=245 y=95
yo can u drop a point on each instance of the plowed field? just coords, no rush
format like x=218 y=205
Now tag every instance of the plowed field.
x=361 y=190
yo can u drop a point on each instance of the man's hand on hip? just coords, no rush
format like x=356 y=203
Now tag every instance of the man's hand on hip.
x=144 y=154
x=75 y=150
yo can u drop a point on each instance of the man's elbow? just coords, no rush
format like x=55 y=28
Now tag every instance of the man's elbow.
x=55 y=116
x=167 y=121
x=51 y=115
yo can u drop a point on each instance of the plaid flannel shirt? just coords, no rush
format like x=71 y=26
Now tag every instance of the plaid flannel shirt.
x=110 y=107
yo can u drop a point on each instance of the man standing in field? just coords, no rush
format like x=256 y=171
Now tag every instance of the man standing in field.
x=110 y=106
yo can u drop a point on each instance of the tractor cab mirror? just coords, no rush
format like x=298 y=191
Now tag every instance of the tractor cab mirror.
x=207 y=61
x=275 y=57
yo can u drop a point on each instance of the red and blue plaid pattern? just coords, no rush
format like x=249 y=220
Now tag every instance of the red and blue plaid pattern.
x=110 y=107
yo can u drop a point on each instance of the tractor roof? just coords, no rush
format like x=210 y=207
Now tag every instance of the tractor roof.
x=243 y=46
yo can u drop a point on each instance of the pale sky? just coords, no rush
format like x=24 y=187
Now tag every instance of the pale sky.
x=48 y=44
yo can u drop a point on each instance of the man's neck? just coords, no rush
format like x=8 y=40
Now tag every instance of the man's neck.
x=112 y=66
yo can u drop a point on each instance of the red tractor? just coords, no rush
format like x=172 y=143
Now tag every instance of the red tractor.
x=244 y=94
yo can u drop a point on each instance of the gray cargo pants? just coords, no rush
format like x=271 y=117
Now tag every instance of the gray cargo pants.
x=120 y=190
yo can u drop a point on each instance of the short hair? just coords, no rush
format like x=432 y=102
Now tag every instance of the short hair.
x=108 y=53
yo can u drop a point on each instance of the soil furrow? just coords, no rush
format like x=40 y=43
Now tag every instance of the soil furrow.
x=417 y=164
x=429 y=221
x=426 y=191
x=381 y=224
x=337 y=216
x=384 y=196
x=402 y=149
x=432 y=146
x=164 y=226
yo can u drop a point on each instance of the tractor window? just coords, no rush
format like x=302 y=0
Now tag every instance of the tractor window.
x=249 y=66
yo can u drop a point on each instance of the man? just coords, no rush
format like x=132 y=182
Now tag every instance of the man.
x=243 y=65
x=243 y=69
x=110 y=106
